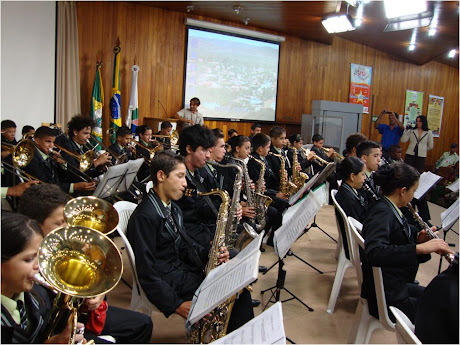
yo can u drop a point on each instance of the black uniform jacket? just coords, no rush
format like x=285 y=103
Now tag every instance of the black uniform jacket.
x=165 y=264
x=275 y=164
x=389 y=244
x=303 y=161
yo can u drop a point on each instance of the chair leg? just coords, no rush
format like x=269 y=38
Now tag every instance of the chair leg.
x=338 y=248
x=342 y=266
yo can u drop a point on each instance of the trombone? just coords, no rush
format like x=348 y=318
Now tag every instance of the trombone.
x=151 y=150
x=119 y=159
x=85 y=160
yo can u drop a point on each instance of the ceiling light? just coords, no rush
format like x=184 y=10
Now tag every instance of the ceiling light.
x=398 y=8
x=246 y=21
x=434 y=21
x=237 y=9
x=431 y=32
x=414 y=37
x=338 y=24
x=411 y=47
x=359 y=16
x=351 y=2
x=398 y=24
x=190 y=8
x=452 y=53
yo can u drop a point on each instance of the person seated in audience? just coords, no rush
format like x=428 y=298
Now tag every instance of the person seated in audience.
x=27 y=132
x=448 y=159
x=369 y=152
x=79 y=133
x=122 y=148
x=45 y=204
x=256 y=128
x=232 y=133
x=26 y=307
x=395 y=154
x=52 y=169
x=352 y=172
x=318 y=142
x=169 y=262
x=352 y=142
x=305 y=161
x=190 y=116
x=8 y=136
x=394 y=245
x=436 y=321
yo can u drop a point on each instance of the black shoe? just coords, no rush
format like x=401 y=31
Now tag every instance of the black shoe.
x=416 y=282
x=255 y=303
x=262 y=249
x=263 y=269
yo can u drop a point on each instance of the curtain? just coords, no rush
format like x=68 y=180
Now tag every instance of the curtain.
x=67 y=63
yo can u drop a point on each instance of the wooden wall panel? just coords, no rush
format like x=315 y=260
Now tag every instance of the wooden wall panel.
x=154 y=39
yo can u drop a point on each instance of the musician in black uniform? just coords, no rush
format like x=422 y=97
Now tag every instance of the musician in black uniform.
x=278 y=138
x=122 y=148
x=352 y=172
x=394 y=245
x=9 y=138
x=305 y=161
x=318 y=142
x=145 y=135
x=352 y=142
x=169 y=262
x=8 y=135
x=256 y=128
x=165 y=129
x=370 y=153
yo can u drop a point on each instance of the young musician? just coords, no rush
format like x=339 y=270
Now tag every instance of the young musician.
x=278 y=137
x=370 y=153
x=395 y=154
x=25 y=306
x=256 y=128
x=45 y=204
x=165 y=129
x=232 y=133
x=145 y=135
x=392 y=244
x=8 y=135
x=190 y=116
x=52 y=169
x=297 y=142
x=169 y=262
x=352 y=142
x=27 y=131
x=352 y=172
x=124 y=152
x=318 y=142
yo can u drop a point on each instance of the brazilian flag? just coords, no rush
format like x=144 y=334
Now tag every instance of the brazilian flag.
x=115 y=100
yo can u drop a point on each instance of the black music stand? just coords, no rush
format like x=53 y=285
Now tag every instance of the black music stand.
x=447 y=223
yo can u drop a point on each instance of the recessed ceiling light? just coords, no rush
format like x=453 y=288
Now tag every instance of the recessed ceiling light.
x=398 y=8
x=411 y=47
x=338 y=24
x=431 y=32
x=452 y=53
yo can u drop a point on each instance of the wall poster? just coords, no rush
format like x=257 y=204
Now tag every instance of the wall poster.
x=360 y=85
x=413 y=107
x=434 y=114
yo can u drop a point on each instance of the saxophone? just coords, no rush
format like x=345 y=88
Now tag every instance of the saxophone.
x=261 y=201
x=298 y=177
x=232 y=226
x=286 y=186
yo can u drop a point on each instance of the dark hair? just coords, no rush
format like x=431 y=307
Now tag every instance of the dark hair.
x=393 y=148
x=17 y=230
x=295 y=138
x=316 y=137
x=8 y=124
x=79 y=122
x=237 y=141
x=166 y=124
x=26 y=129
x=166 y=161
x=365 y=147
x=142 y=129
x=350 y=165
x=276 y=132
x=453 y=146
x=353 y=140
x=218 y=133
x=122 y=131
x=256 y=125
x=196 y=136
x=259 y=140
x=424 y=122
x=395 y=175
x=39 y=201
x=45 y=131
x=195 y=100
x=231 y=131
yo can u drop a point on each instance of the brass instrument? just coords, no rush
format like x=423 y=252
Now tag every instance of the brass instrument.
x=20 y=173
x=261 y=201
x=78 y=263
x=337 y=155
x=119 y=159
x=85 y=160
x=209 y=329
x=286 y=186
x=22 y=152
x=151 y=150
x=173 y=137
x=298 y=177
x=318 y=160
x=28 y=136
x=430 y=233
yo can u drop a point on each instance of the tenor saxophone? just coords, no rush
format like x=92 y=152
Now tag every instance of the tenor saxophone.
x=286 y=187
x=261 y=201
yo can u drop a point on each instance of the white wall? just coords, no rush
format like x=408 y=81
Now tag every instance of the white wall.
x=27 y=62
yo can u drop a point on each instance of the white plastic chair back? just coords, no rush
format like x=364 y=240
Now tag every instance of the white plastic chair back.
x=345 y=223
x=148 y=186
x=404 y=328
x=356 y=241
x=381 y=300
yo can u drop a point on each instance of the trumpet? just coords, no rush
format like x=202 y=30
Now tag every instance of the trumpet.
x=173 y=137
x=151 y=150
x=336 y=154
x=318 y=160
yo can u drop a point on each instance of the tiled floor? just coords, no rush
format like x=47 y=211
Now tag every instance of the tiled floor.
x=307 y=284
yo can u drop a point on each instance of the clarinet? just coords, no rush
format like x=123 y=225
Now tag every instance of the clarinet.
x=431 y=233
x=369 y=190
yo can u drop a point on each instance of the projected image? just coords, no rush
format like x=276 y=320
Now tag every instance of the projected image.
x=235 y=78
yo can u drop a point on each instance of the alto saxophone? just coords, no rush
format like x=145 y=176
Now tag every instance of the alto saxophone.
x=261 y=201
x=286 y=186
x=232 y=226
x=210 y=329
x=298 y=177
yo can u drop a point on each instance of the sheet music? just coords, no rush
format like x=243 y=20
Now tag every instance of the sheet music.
x=321 y=194
x=267 y=328
x=311 y=181
x=288 y=233
x=225 y=281
x=427 y=180
x=453 y=186
x=329 y=169
x=450 y=216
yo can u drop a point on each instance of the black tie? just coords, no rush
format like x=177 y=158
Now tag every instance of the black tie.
x=22 y=313
x=169 y=217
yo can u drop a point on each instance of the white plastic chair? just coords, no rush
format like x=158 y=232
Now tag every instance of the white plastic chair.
x=364 y=323
x=404 y=328
x=139 y=300
x=148 y=186
x=343 y=263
